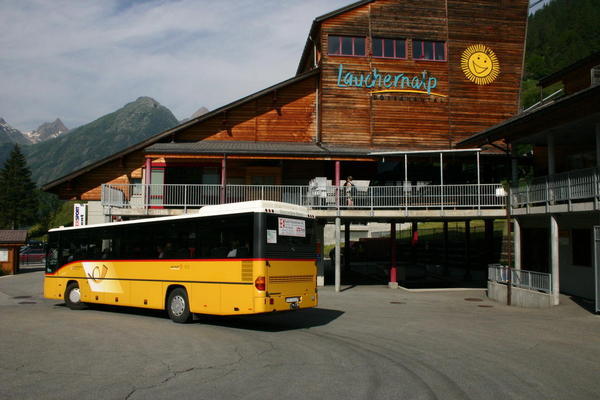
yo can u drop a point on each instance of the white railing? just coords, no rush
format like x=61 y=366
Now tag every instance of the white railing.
x=521 y=278
x=142 y=196
x=578 y=185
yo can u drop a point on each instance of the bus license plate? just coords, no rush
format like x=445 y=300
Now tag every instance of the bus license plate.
x=292 y=299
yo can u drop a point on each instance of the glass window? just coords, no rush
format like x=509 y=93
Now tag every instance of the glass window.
x=283 y=246
x=346 y=45
x=389 y=48
x=429 y=50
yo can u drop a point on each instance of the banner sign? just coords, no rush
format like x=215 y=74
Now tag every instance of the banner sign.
x=79 y=214
x=292 y=227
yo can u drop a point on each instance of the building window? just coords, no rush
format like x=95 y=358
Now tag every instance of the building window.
x=389 y=48
x=346 y=46
x=582 y=247
x=429 y=50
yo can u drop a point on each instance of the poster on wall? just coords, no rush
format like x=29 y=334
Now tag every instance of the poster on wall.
x=79 y=214
x=292 y=227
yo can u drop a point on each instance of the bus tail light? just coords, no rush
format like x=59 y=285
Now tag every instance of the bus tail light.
x=260 y=283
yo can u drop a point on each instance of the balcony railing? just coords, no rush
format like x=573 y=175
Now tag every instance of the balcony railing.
x=567 y=187
x=521 y=278
x=143 y=196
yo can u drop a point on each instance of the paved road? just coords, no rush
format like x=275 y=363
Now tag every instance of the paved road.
x=365 y=343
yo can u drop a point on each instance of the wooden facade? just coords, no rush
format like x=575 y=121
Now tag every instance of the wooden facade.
x=316 y=107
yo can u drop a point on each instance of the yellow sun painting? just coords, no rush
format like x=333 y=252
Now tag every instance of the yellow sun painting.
x=480 y=64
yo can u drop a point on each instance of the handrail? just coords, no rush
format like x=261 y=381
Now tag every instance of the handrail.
x=521 y=278
x=469 y=196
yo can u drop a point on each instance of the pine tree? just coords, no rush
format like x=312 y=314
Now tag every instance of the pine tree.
x=18 y=199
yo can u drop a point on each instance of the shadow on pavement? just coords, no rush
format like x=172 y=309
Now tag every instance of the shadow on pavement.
x=271 y=322
x=586 y=304
x=24 y=269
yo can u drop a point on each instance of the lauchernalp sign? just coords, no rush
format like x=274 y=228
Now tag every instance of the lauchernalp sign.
x=388 y=82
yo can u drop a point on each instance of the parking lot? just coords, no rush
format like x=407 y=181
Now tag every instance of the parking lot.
x=366 y=342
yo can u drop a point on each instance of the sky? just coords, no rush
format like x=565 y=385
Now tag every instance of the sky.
x=79 y=60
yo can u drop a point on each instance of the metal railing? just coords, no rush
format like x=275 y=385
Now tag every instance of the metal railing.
x=520 y=278
x=470 y=196
x=560 y=188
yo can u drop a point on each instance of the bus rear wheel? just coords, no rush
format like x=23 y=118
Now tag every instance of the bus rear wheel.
x=73 y=297
x=178 y=306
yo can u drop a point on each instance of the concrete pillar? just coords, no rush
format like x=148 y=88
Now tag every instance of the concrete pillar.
x=347 y=246
x=554 y=258
x=338 y=278
x=320 y=236
x=393 y=283
x=517 y=243
x=551 y=156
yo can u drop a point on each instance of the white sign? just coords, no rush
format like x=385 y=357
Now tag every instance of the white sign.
x=79 y=214
x=271 y=236
x=292 y=227
x=3 y=255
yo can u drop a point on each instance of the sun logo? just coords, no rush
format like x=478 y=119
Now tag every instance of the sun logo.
x=480 y=64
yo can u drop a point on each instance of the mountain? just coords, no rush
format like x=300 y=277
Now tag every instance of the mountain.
x=47 y=130
x=199 y=112
x=8 y=134
x=136 y=121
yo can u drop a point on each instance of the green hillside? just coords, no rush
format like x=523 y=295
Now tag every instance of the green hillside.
x=105 y=136
x=559 y=34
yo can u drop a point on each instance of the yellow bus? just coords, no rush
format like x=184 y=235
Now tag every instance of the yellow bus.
x=241 y=258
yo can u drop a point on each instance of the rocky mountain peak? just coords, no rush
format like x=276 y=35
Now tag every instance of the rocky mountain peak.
x=47 y=130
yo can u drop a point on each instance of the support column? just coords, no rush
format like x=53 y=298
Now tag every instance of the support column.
x=337 y=184
x=598 y=145
x=554 y=259
x=223 y=180
x=551 y=158
x=414 y=240
x=148 y=182
x=446 y=266
x=320 y=236
x=393 y=283
x=338 y=279
x=467 y=250
x=517 y=243
x=347 y=246
x=514 y=165
x=489 y=240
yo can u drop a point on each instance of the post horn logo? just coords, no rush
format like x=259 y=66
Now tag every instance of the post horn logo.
x=480 y=64
x=98 y=274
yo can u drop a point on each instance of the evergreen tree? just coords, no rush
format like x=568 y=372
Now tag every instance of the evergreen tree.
x=18 y=198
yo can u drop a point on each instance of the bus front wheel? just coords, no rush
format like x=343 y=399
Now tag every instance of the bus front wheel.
x=73 y=297
x=178 y=306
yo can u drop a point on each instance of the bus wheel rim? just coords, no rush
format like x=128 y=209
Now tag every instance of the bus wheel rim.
x=177 y=306
x=75 y=295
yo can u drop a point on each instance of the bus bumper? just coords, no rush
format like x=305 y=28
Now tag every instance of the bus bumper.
x=286 y=302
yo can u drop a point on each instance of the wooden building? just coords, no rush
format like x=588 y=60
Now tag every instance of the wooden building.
x=375 y=76
x=10 y=244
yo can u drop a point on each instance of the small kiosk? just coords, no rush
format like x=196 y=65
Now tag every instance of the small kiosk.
x=10 y=244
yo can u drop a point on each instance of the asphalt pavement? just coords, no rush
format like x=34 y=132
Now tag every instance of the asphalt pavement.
x=368 y=342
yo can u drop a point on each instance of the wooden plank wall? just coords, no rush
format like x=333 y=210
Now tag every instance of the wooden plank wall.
x=287 y=115
x=352 y=115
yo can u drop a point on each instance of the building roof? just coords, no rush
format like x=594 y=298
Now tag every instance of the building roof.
x=547 y=116
x=264 y=148
x=558 y=75
x=316 y=23
x=170 y=132
x=13 y=236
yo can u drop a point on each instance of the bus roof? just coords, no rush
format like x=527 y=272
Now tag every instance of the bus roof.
x=257 y=206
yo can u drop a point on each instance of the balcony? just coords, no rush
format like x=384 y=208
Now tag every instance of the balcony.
x=170 y=199
x=576 y=190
